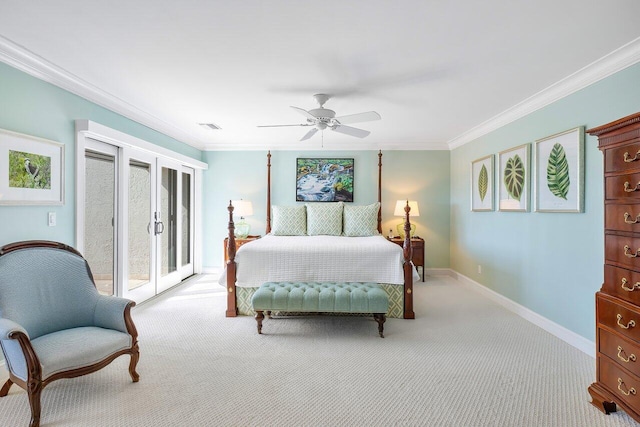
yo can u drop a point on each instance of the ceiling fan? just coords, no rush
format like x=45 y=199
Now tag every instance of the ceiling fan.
x=323 y=118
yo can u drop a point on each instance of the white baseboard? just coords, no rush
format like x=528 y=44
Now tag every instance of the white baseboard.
x=570 y=337
x=441 y=272
x=212 y=270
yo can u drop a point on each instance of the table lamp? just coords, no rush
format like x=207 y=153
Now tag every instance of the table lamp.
x=399 y=211
x=242 y=208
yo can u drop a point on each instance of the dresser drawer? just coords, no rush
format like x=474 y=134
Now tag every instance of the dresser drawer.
x=622 y=187
x=624 y=385
x=618 y=316
x=622 y=217
x=622 y=250
x=622 y=351
x=622 y=283
x=620 y=159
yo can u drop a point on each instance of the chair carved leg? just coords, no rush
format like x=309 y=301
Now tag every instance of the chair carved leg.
x=268 y=312
x=5 y=388
x=259 y=318
x=380 y=318
x=34 y=390
x=135 y=356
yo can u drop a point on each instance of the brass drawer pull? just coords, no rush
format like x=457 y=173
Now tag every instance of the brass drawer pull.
x=623 y=285
x=631 y=358
x=627 y=215
x=630 y=324
x=626 y=393
x=628 y=159
x=628 y=189
x=629 y=254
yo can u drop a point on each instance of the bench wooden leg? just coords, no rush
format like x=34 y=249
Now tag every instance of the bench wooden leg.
x=380 y=318
x=259 y=318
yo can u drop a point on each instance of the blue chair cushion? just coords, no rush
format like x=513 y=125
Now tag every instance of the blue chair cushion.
x=77 y=347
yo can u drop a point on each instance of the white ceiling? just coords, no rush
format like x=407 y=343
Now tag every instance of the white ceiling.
x=438 y=72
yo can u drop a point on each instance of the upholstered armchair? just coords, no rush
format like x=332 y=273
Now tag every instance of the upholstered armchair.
x=53 y=322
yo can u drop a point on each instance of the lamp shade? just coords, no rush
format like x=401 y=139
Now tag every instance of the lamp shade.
x=400 y=204
x=242 y=207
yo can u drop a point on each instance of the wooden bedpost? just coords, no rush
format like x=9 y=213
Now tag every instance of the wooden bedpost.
x=408 y=267
x=232 y=310
x=380 y=191
x=268 y=192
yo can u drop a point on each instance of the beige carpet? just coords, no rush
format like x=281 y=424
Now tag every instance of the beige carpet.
x=464 y=361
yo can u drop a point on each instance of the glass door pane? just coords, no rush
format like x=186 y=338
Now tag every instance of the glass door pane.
x=186 y=219
x=168 y=213
x=140 y=226
x=99 y=230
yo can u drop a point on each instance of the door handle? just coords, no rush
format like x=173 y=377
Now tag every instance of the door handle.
x=158 y=226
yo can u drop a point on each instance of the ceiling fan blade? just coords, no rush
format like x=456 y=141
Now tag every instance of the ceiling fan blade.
x=279 y=126
x=348 y=130
x=305 y=113
x=360 y=117
x=309 y=134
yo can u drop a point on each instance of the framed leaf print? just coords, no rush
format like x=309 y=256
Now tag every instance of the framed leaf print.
x=514 y=179
x=559 y=169
x=482 y=184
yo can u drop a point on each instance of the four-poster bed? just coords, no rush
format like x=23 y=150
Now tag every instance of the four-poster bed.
x=370 y=258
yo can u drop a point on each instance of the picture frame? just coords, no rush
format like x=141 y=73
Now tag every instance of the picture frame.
x=559 y=172
x=482 y=184
x=514 y=175
x=31 y=170
x=324 y=179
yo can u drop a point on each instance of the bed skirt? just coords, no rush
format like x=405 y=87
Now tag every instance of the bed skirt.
x=395 y=293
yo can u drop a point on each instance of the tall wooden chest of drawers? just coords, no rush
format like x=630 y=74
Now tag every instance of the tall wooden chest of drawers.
x=618 y=301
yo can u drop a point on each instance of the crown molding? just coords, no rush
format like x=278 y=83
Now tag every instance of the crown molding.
x=36 y=66
x=356 y=146
x=619 y=59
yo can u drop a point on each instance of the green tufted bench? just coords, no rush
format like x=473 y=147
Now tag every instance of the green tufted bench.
x=303 y=297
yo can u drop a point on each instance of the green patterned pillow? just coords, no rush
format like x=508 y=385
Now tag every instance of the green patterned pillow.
x=361 y=220
x=289 y=221
x=324 y=219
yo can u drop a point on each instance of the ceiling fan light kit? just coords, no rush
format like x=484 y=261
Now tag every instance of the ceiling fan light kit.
x=323 y=118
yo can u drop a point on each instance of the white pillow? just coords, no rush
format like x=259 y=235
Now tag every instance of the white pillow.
x=361 y=220
x=289 y=221
x=324 y=219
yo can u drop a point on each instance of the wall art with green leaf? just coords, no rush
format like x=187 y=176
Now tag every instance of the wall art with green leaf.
x=514 y=179
x=559 y=169
x=482 y=184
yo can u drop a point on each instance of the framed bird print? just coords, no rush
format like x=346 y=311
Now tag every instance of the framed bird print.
x=31 y=170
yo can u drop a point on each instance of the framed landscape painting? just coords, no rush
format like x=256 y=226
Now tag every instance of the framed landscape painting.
x=324 y=180
x=31 y=170
x=514 y=179
x=559 y=169
x=482 y=184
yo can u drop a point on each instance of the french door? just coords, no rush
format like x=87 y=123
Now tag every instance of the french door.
x=146 y=246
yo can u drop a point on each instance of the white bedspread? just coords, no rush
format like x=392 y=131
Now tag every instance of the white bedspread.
x=318 y=259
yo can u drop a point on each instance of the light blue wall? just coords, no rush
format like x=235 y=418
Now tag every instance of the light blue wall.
x=34 y=107
x=551 y=263
x=418 y=175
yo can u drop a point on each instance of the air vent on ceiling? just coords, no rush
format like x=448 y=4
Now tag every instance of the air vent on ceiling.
x=210 y=126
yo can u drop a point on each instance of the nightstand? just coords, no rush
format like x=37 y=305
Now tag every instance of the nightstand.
x=239 y=242
x=417 y=246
